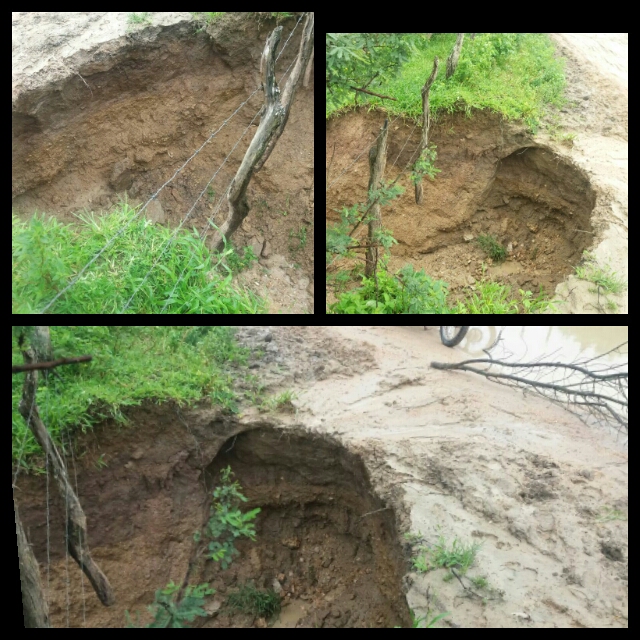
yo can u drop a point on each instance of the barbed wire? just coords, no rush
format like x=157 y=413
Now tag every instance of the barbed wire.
x=358 y=157
x=169 y=241
x=155 y=195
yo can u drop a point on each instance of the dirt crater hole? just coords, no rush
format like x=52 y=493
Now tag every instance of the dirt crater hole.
x=322 y=528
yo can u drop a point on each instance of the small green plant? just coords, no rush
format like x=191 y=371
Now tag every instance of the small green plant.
x=456 y=556
x=211 y=193
x=603 y=277
x=101 y=463
x=480 y=582
x=237 y=264
x=425 y=166
x=252 y=601
x=490 y=245
x=169 y=613
x=134 y=19
x=227 y=522
x=281 y=402
x=424 y=622
x=300 y=236
x=608 y=514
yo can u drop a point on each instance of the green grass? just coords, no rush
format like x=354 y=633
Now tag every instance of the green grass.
x=130 y=365
x=281 y=402
x=515 y=75
x=490 y=245
x=48 y=254
x=135 y=19
x=444 y=556
x=602 y=277
x=252 y=601
x=208 y=17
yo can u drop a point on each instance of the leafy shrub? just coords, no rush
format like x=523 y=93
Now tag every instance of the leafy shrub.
x=408 y=291
x=168 y=613
x=492 y=247
x=227 y=522
x=262 y=604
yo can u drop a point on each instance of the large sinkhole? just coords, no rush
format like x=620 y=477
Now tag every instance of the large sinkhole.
x=322 y=531
x=495 y=180
x=325 y=543
x=118 y=117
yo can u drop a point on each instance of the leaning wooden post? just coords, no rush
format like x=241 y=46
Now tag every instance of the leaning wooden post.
x=76 y=520
x=274 y=118
x=425 y=121
x=452 y=60
x=377 y=164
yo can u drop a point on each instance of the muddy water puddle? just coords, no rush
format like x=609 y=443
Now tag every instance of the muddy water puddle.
x=564 y=343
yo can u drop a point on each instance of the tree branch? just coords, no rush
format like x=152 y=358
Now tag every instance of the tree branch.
x=373 y=94
x=49 y=365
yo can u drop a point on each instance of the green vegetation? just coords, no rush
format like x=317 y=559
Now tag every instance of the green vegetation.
x=514 y=74
x=492 y=247
x=300 y=236
x=608 y=514
x=207 y=18
x=604 y=278
x=169 y=613
x=48 y=254
x=456 y=556
x=137 y=19
x=252 y=601
x=425 y=165
x=281 y=402
x=410 y=291
x=236 y=263
x=130 y=365
x=227 y=522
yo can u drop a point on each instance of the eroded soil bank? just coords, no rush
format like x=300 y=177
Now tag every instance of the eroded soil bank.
x=560 y=198
x=101 y=110
x=380 y=445
x=495 y=180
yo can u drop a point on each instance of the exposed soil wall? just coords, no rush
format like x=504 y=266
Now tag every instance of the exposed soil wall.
x=95 y=117
x=495 y=179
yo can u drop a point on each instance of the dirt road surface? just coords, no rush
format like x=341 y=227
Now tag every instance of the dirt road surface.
x=597 y=88
x=461 y=458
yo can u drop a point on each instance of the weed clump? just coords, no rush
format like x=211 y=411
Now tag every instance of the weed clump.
x=492 y=247
x=252 y=601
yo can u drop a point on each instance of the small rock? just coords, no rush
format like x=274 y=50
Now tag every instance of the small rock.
x=260 y=623
x=505 y=199
x=532 y=227
x=468 y=237
x=266 y=249
x=277 y=587
x=509 y=248
x=212 y=607
x=137 y=454
x=155 y=212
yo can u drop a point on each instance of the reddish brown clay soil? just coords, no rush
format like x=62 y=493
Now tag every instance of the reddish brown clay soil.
x=495 y=180
x=95 y=119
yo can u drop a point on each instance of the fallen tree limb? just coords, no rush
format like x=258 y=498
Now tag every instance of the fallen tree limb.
x=603 y=393
x=18 y=368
